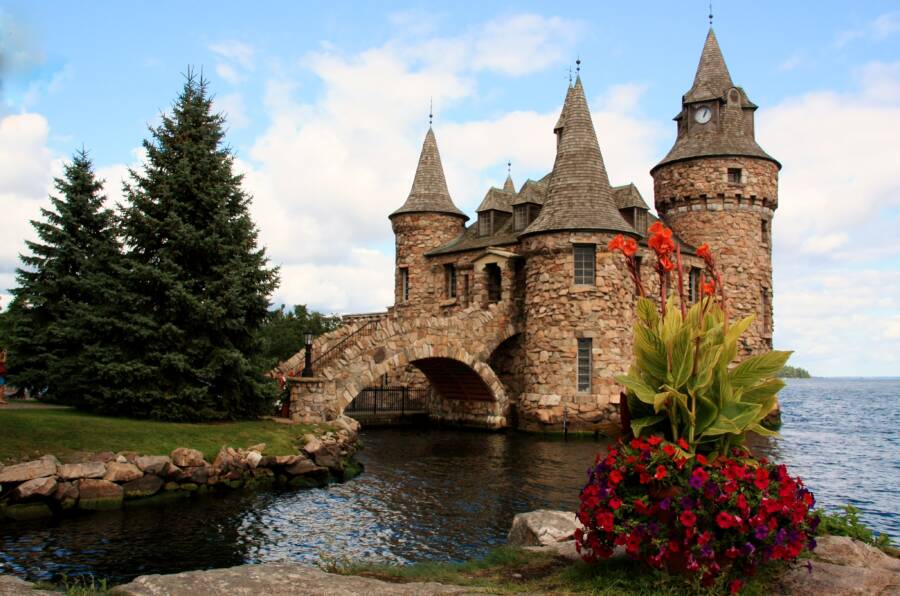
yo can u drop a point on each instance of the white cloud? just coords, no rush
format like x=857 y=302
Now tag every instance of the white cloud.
x=228 y=73
x=235 y=51
x=523 y=43
x=879 y=29
x=232 y=106
x=792 y=62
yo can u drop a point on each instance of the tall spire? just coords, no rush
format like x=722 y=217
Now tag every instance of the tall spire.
x=508 y=186
x=429 y=192
x=579 y=196
x=712 y=79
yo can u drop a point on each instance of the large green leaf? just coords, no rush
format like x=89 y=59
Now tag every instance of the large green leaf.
x=646 y=312
x=707 y=412
x=762 y=391
x=756 y=368
x=761 y=430
x=737 y=329
x=741 y=414
x=682 y=358
x=643 y=392
x=639 y=424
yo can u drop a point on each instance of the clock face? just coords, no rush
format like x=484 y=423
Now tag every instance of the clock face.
x=702 y=115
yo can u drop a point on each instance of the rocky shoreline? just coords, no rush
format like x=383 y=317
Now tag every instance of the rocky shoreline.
x=46 y=487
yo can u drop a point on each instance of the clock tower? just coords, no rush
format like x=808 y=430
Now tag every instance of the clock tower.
x=717 y=185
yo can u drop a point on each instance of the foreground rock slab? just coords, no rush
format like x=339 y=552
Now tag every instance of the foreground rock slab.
x=276 y=578
x=543 y=527
x=13 y=586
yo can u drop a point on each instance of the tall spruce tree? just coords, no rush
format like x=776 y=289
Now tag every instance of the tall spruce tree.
x=58 y=324
x=199 y=282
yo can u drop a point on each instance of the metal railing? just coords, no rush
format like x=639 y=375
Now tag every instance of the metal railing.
x=329 y=355
x=389 y=400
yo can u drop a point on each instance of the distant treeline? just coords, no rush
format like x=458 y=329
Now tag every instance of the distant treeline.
x=794 y=372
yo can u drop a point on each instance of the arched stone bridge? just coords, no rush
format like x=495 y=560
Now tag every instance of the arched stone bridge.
x=453 y=352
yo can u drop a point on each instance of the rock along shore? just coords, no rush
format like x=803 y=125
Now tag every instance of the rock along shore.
x=46 y=487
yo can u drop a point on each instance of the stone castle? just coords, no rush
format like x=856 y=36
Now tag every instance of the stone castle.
x=523 y=317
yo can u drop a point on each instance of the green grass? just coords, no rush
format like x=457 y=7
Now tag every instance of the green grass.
x=848 y=524
x=510 y=570
x=27 y=434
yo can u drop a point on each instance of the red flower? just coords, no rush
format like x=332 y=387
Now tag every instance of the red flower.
x=660 y=472
x=654 y=440
x=645 y=478
x=735 y=586
x=630 y=247
x=709 y=288
x=666 y=263
x=701 y=459
x=683 y=444
x=656 y=228
x=617 y=243
x=669 y=450
x=762 y=479
x=688 y=518
x=605 y=521
x=615 y=477
x=724 y=520
x=615 y=503
x=703 y=251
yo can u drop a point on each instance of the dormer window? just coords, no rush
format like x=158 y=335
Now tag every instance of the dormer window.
x=640 y=221
x=734 y=176
x=520 y=213
x=485 y=223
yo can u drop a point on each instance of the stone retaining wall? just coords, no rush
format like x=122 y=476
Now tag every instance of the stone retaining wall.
x=46 y=487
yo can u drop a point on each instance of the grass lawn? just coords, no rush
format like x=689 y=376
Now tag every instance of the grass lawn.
x=31 y=433
x=511 y=570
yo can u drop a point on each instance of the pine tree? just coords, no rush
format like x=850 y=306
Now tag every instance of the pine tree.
x=59 y=321
x=198 y=280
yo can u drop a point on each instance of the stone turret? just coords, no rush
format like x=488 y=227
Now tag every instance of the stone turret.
x=577 y=308
x=428 y=219
x=717 y=185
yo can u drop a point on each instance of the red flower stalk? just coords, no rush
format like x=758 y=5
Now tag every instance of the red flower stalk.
x=680 y=281
x=628 y=247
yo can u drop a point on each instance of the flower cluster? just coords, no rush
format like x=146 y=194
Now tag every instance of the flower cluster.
x=712 y=520
x=628 y=247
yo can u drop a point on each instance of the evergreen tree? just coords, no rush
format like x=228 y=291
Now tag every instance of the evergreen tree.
x=198 y=282
x=58 y=324
x=283 y=333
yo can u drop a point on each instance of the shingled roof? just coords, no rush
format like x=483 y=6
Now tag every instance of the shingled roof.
x=498 y=199
x=628 y=196
x=429 y=192
x=732 y=136
x=579 y=196
x=470 y=239
x=533 y=191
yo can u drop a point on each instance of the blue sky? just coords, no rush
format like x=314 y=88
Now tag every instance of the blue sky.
x=327 y=106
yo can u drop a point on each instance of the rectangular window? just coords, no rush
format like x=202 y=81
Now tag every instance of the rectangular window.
x=450 y=281
x=404 y=285
x=640 y=221
x=694 y=285
x=764 y=232
x=521 y=217
x=734 y=175
x=466 y=288
x=585 y=346
x=485 y=223
x=766 y=313
x=585 y=256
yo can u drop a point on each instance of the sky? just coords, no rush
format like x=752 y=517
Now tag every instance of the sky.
x=327 y=106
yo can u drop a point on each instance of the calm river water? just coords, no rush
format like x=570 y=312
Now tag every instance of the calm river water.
x=450 y=495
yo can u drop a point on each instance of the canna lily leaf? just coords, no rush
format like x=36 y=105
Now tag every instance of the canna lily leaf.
x=640 y=389
x=639 y=424
x=762 y=430
x=761 y=392
x=756 y=368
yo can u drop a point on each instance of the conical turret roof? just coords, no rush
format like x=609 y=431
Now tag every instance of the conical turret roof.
x=712 y=79
x=429 y=192
x=508 y=186
x=579 y=196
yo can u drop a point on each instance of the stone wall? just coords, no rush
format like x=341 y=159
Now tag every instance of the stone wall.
x=46 y=487
x=696 y=200
x=415 y=234
x=557 y=312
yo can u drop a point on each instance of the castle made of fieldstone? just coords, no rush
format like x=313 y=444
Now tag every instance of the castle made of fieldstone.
x=524 y=317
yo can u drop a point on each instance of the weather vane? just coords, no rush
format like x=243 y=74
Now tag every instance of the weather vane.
x=430 y=110
x=578 y=65
x=710 y=14
x=509 y=168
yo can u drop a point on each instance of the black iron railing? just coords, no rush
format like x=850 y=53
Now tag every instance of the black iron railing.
x=329 y=355
x=389 y=400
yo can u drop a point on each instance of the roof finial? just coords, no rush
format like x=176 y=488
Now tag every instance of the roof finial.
x=710 y=13
x=430 y=111
x=578 y=65
x=509 y=168
x=570 y=76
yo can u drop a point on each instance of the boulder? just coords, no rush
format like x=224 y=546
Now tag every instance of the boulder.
x=253 y=458
x=329 y=456
x=543 y=527
x=12 y=586
x=303 y=466
x=121 y=459
x=105 y=457
x=312 y=446
x=260 y=447
x=843 y=550
x=122 y=472
x=184 y=457
x=94 y=469
x=99 y=494
x=152 y=464
x=66 y=494
x=223 y=460
x=39 y=468
x=147 y=485
x=38 y=487
x=130 y=456
x=347 y=423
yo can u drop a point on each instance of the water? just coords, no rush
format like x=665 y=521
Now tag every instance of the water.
x=449 y=495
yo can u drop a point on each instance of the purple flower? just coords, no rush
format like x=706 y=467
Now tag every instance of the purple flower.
x=711 y=489
x=811 y=543
x=748 y=549
x=781 y=536
x=706 y=551
x=696 y=482
x=761 y=532
x=665 y=503
x=652 y=528
x=687 y=503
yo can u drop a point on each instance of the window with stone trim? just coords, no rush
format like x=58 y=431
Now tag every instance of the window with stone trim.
x=764 y=232
x=450 y=280
x=694 y=285
x=585 y=257
x=766 y=312
x=640 y=221
x=494 y=282
x=734 y=176
x=404 y=284
x=585 y=356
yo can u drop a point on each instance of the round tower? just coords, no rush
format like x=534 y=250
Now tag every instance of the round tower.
x=717 y=186
x=428 y=219
x=578 y=304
